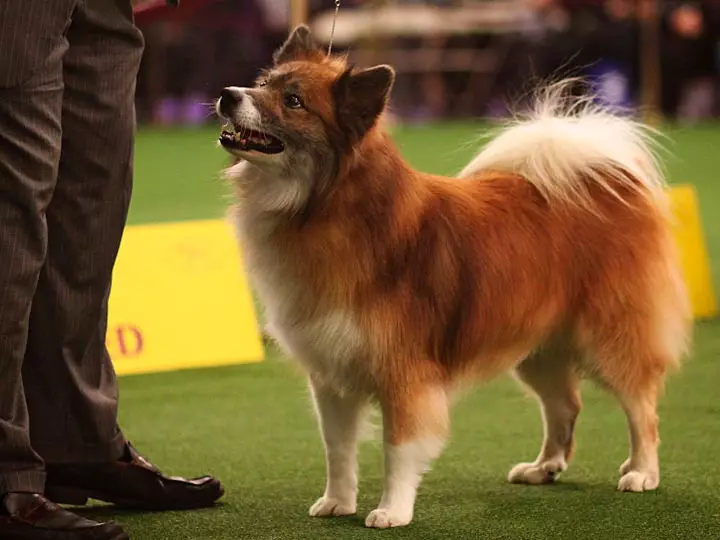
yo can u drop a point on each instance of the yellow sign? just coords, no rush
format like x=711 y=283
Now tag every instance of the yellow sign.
x=695 y=259
x=180 y=300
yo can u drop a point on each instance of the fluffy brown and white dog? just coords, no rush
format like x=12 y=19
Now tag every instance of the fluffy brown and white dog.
x=550 y=256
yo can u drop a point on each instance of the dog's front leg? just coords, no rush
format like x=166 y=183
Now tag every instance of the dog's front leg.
x=416 y=425
x=340 y=418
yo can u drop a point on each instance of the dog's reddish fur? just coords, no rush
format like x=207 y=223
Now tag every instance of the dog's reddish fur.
x=458 y=280
x=484 y=270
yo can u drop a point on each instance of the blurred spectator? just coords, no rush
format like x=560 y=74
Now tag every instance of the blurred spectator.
x=430 y=102
x=689 y=48
x=212 y=43
x=597 y=40
x=216 y=44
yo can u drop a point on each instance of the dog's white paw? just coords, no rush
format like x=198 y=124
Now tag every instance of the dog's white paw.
x=545 y=472
x=383 y=518
x=329 y=506
x=625 y=467
x=639 y=481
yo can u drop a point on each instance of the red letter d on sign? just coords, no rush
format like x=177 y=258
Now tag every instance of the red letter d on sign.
x=130 y=340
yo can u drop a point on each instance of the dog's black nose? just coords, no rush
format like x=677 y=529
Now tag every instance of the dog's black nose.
x=229 y=99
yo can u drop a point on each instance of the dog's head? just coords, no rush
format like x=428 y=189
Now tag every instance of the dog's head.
x=305 y=113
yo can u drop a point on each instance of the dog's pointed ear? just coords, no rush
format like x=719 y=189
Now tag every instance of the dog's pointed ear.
x=361 y=97
x=299 y=46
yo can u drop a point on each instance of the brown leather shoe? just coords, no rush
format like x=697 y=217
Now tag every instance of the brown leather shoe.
x=132 y=482
x=30 y=516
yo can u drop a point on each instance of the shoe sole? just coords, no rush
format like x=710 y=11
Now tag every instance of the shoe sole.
x=80 y=497
x=115 y=532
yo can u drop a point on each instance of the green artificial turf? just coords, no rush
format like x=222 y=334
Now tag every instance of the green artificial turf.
x=253 y=425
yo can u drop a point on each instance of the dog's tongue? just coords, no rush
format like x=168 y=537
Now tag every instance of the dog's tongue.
x=249 y=140
x=252 y=136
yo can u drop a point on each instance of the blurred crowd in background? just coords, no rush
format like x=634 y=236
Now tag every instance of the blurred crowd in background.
x=200 y=48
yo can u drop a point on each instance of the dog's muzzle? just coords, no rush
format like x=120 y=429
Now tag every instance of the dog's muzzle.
x=230 y=98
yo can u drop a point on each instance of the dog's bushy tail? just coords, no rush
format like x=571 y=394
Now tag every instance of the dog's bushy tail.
x=566 y=141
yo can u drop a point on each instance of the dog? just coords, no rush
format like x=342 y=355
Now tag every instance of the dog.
x=549 y=256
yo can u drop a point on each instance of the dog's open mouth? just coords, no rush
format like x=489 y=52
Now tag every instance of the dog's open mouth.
x=250 y=140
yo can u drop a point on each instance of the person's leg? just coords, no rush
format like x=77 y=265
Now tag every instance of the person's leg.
x=31 y=90
x=69 y=378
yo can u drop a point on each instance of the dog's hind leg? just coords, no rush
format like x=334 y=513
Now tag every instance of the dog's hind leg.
x=635 y=377
x=551 y=375
x=341 y=418
x=629 y=362
x=635 y=339
x=416 y=423
x=641 y=471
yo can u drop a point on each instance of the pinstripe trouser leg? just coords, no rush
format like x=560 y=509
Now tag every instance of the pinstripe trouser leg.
x=67 y=125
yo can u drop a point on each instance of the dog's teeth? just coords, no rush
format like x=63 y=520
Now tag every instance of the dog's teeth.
x=245 y=137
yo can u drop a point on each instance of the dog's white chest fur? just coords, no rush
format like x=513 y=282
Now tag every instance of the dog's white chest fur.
x=329 y=345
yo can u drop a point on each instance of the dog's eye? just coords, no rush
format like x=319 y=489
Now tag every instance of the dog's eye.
x=293 y=101
x=262 y=83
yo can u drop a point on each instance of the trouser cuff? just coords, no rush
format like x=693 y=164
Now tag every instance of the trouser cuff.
x=24 y=481
x=84 y=454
